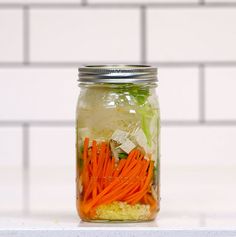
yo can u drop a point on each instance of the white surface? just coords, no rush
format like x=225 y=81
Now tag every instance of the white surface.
x=72 y=226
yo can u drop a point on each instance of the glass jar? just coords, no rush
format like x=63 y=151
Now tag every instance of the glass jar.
x=117 y=143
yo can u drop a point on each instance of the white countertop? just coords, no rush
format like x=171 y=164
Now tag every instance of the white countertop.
x=195 y=202
x=71 y=226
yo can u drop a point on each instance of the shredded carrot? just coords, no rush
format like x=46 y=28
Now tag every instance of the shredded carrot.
x=95 y=168
x=88 y=190
x=132 y=154
x=112 y=166
x=145 y=199
x=119 y=167
x=152 y=202
x=110 y=186
x=106 y=163
x=119 y=191
x=100 y=162
x=101 y=158
x=99 y=187
x=85 y=178
x=85 y=150
x=136 y=188
x=136 y=197
x=128 y=168
x=116 y=196
x=105 y=182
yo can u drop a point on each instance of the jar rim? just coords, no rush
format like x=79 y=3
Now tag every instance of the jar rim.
x=117 y=73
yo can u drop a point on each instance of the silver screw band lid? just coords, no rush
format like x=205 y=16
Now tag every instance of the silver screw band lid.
x=117 y=74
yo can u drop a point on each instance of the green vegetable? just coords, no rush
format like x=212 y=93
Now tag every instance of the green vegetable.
x=122 y=155
x=81 y=162
x=82 y=149
x=140 y=95
x=144 y=109
x=146 y=115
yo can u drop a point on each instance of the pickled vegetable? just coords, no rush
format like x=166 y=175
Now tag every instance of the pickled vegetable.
x=117 y=153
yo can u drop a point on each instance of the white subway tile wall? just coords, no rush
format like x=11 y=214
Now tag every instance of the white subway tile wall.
x=220 y=101
x=178 y=92
x=52 y=170
x=202 y=190
x=191 y=34
x=199 y=146
x=11 y=172
x=42 y=43
x=84 y=35
x=38 y=94
x=11 y=35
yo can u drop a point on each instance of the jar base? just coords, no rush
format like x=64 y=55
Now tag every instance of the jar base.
x=117 y=221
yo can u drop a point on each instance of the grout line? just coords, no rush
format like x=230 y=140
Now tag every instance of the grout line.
x=209 y=123
x=200 y=4
x=195 y=63
x=71 y=123
x=84 y=2
x=44 y=123
x=143 y=36
x=76 y=64
x=26 y=34
x=169 y=123
x=26 y=157
x=202 y=94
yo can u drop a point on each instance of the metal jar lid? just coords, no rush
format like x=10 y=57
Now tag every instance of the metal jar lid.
x=117 y=74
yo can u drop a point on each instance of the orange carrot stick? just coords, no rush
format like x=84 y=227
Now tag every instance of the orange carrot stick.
x=95 y=168
x=130 y=173
x=110 y=170
x=101 y=158
x=145 y=199
x=119 y=167
x=121 y=193
x=112 y=166
x=121 y=190
x=136 y=197
x=151 y=201
x=143 y=187
x=85 y=155
x=128 y=169
x=87 y=206
x=85 y=150
x=88 y=190
x=99 y=187
x=134 y=190
x=104 y=168
x=130 y=157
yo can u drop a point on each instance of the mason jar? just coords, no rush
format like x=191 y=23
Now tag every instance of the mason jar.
x=117 y=143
